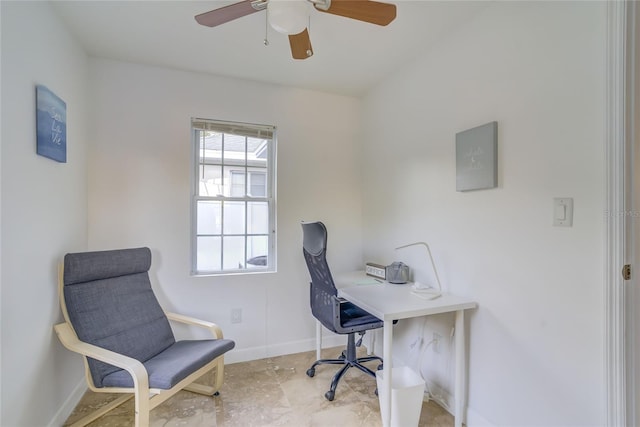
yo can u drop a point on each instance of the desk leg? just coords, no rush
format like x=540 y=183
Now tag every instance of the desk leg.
x=387 y=365
x=461 y=357
x=318 y=340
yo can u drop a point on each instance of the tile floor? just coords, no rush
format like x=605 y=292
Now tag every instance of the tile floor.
x=269 y=392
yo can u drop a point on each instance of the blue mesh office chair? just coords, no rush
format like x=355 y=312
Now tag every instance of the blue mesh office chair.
x=335 y=314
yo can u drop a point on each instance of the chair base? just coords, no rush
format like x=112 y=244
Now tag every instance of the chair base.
x=349 y=360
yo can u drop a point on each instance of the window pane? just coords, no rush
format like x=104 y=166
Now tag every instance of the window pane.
x=210 y=180
x=258 y=218
x=257 y=151
x=233 y=253
x=234 y=218
x=237 y=183
x=210 y=147
x=257 y=184
x=209 y=217
x=234 y=149
x=257 y=250
x=208 y=253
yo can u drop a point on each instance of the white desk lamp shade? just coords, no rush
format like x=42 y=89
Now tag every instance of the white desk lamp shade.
x=288 y=16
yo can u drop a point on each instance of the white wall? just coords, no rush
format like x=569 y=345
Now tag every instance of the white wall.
x=537 y=68
x=139 y=191
x=633 y=291
x=44 y=212
x=536 y=340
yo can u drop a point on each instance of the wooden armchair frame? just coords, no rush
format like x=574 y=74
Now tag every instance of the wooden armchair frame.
x=145 y=398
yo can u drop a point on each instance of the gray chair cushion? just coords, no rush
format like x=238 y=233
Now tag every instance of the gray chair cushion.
x=174 y=364
x=111 y=304
x=88 y=266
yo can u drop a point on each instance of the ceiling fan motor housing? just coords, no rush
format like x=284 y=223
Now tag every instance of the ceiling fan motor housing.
x=288 y=16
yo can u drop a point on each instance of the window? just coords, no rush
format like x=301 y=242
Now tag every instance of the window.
x=233 y=203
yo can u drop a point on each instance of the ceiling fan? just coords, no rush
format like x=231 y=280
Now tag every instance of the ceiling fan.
x=291 y=17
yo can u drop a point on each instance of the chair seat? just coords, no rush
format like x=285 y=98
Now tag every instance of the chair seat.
x=169 y=367
x=352 y=315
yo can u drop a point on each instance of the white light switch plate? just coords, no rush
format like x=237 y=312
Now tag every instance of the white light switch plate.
x=563 y=212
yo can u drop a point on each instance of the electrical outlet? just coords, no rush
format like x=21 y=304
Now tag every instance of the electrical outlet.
x=236 y=315
x=436 y=342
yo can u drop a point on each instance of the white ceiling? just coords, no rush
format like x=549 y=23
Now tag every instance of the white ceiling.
x=349 y=56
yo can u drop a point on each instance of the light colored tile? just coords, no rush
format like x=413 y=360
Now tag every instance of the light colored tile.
x=269 y=392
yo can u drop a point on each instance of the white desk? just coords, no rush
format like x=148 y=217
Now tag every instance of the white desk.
x=390 y=302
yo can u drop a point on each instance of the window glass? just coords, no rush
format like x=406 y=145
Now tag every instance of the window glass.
x=233 y=197
x=234 y=218
x=209 y=253
x=234 y=253
x=257 y=184
x=257 y=218
x=209 y=217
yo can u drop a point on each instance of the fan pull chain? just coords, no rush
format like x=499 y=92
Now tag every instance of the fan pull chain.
x=309 y=53
x=266 y=29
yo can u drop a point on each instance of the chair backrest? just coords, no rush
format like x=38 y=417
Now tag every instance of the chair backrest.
x=109 y=302
x=323 y=289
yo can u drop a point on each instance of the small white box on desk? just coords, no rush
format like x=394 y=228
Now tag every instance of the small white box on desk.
x=375 y=270
x=407 y=391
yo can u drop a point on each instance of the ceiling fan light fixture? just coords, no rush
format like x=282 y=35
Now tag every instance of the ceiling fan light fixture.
x=288 y=16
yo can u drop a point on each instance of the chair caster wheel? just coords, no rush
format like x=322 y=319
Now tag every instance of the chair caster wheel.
x=342 y=356
x=380 y=367
x=330 y=395
x=311 y=372
x=376 y=392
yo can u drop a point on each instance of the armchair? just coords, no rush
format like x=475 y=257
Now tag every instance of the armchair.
x=113 y=319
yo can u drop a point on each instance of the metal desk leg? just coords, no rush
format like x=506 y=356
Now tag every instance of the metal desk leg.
x=387 y=365
x=461 y=357
x=318 y=340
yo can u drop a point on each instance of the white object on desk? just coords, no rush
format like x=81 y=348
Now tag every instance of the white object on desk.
x=393 y=302
x=425 y=292
x=433 y=264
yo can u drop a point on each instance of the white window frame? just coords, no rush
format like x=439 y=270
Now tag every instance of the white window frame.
x=247 y=130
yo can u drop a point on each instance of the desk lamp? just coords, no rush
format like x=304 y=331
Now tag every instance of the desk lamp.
x=422 y=290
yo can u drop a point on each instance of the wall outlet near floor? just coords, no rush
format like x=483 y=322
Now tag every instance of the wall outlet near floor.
x=236 y=315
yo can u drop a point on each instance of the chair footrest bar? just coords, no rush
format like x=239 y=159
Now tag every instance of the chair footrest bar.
x=201 y=389
x=100 y=412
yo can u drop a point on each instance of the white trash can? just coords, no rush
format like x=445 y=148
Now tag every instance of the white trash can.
x=407 y=392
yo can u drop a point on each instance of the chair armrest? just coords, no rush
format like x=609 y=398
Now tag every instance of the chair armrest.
x=216 y=331
x=135 y=368
x=337 y=302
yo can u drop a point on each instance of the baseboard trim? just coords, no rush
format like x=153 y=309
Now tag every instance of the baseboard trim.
x=292 y=347
x=70 y=404
x=476 y=420
x=441 y=396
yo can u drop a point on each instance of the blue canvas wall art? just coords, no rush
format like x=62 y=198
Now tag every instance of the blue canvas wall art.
x=51 y=122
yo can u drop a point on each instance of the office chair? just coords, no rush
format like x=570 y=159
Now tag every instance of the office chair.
x=335 y=314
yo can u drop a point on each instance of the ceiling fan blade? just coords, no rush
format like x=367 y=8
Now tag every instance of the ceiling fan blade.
x=225 y=14
x=362 y=10
x=301 y=45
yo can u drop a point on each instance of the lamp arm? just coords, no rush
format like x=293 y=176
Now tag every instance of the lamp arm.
x=433 y=264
